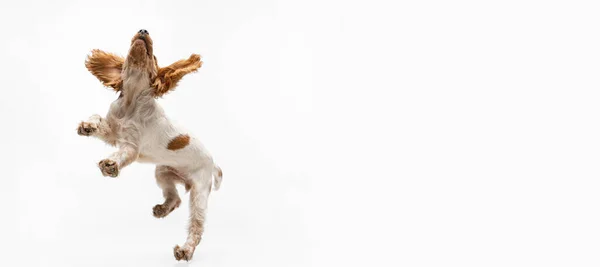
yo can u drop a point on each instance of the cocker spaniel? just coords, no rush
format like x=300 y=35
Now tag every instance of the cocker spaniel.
x=141 y=131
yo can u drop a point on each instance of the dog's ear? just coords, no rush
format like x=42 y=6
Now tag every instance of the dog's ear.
x=106 y=67
x=167 y=78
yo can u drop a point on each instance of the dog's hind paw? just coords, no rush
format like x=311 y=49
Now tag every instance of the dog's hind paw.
x=162 y=210
x=184 y=253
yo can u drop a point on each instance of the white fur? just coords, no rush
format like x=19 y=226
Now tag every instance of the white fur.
x=142 y=126
x=138 y=126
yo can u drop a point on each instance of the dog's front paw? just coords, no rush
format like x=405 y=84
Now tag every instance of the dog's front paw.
x=184 y=253
x=160 y=211
x=87 y=128
x=109 y=167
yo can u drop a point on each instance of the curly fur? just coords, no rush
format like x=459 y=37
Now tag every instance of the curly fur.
x=169 y=76
x=107 y=67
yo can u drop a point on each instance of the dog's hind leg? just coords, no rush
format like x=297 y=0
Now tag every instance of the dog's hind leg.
x=200 y=183
x=167 y=178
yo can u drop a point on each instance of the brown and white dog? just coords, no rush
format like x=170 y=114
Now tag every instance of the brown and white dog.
x=137 y=125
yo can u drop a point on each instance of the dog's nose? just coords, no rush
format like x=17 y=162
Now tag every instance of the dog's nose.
x=143 y=32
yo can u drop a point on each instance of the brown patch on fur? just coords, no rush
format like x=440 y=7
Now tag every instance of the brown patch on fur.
x=168 y=77
x=179 y=142
x=106 y=67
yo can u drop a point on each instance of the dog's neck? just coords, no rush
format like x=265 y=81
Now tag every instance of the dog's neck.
x=136 y=100
x=136 y=83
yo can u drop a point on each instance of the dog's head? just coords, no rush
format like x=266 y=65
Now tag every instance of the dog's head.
x=110 y=69
x=140 y=56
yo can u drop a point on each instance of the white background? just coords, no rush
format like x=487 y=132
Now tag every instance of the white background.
x=399 y=133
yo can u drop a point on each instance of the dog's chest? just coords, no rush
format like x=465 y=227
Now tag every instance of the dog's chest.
x=138 y=120
x=136 y=81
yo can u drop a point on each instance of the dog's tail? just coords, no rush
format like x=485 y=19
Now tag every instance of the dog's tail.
x=217 y=177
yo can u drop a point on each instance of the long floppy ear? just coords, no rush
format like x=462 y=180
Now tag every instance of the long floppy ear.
x=106 y=67
x=168 y=77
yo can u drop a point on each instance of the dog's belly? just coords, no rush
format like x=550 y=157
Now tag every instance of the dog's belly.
x=154 y=149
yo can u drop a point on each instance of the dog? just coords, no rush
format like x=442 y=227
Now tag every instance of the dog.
x=141 y=131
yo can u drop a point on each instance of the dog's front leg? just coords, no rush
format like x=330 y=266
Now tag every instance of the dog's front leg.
x=98 y=127
x=126 y=154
